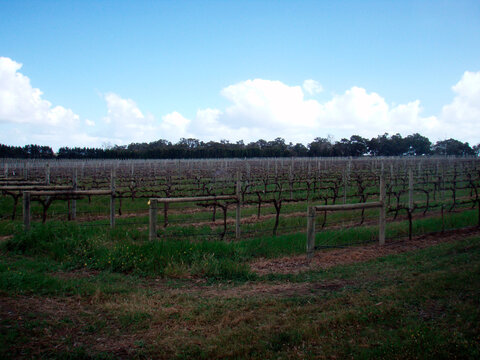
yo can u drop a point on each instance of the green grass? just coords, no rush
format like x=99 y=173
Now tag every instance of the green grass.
x=417 y=305
x=126 y=250
x=420 y=304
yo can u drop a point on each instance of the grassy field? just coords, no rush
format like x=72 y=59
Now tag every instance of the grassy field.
x=70 y=292
x=81 y=290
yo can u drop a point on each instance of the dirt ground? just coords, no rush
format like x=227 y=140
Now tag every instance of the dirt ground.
x=63 y=323
x=353 y=254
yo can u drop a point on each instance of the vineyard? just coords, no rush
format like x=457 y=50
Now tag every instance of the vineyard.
x=239 y=199
x=261 y=258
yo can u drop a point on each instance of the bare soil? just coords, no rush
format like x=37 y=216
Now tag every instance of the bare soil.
x=327 y=258
x=60 y=319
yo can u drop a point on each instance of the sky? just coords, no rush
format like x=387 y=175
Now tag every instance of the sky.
x=103 y=73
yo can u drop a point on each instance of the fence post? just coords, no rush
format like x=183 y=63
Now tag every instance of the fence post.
x=74 y=202
x=410 y=189
x=410 y=202
x=383 y=212
x=443 y=219
x=26 y=210
x=237 y=212
x=47 y=174
x=152 y=234
x=310 y=232
x=112 y=199
x=6 y=171
x=290 y=179
x=479 y=213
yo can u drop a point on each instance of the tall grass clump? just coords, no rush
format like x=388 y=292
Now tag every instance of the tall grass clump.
x=129 y=252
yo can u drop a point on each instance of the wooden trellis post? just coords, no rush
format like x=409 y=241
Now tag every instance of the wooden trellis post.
x=47 y=174
x=310 y=232
x=152 y=234
x=410 y=189
x=368 y=205
x=112 y=199
x=410 y=203
x=26 y=210
x=154 y=201
x=383 y=211
x=237 y=212
x=74 y=202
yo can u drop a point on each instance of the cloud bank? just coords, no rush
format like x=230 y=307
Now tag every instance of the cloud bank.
x=258 y=109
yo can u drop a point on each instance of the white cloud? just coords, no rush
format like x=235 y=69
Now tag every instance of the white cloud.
x=27 y=118
x=173 y=127
x=461 y=118
x=312 y=87
x=268 y=103
x=258 y=109
x=126 y=123
x=368 y=114
x=20 y=103
x=268 y=109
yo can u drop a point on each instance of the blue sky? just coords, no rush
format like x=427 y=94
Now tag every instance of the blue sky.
x=115 y=72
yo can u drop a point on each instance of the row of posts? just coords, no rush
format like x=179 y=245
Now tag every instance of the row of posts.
x=26 y=196
x=153 y=206
x=381 y=204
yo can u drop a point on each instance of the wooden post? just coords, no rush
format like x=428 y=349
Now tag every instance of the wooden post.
x=47 y=174
x=479 y=213
x=74 y=202
x=344 y=187
x=310 y=232
x=25 y=171
x=290 y=179
x=112 y=199
x=443 y=219
x=410 y=203
x=410 y=189
x=26 y=210
x=383 y=212
x=152 y=234
x=237 y=212
x=6 y=171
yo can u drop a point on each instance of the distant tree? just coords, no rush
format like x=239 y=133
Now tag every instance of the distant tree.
x=385 y=145
x=189 y=143
x=452 y=147
x=358 y=145
x=476 y=149
x=298 y=150
x=418 y=145
x=341 y=148
x=382 y=145
x=321 y=147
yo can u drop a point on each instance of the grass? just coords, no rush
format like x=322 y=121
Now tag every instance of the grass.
x=126 y=250
x=421 y=304
x=87 y=292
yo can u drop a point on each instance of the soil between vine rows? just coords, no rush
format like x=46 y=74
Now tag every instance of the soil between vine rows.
x=324 y=259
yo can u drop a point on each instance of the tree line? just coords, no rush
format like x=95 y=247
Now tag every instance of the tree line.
x=382 y=145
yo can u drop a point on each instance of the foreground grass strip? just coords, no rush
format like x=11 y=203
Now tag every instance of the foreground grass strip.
x=128 y=251
x=421 y=304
